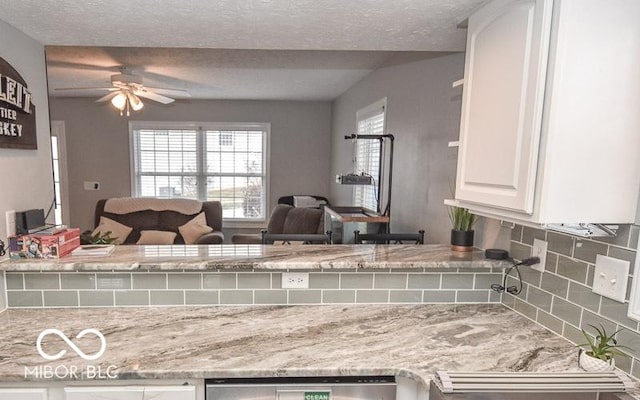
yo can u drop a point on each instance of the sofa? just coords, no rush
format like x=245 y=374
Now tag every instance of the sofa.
x=286 y=219
x=154 y=221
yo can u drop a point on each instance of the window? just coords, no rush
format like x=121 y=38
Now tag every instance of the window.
x=55 y=154
x=212 y=161
x=61 y=207
x=370 y=121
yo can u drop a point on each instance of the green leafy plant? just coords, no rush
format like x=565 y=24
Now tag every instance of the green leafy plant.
x=604 y=346
x=461 y=218
x=98 y=238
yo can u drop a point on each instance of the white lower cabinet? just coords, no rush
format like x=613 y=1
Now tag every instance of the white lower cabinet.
x=103 y=393
x=170 y=393
x=130 y=393
x=23 y=394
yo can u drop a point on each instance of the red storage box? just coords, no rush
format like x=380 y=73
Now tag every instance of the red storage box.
x=37 y=245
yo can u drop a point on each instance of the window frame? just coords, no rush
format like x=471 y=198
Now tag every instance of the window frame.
x=58 y=130
x=362 y=114
x=201 y=128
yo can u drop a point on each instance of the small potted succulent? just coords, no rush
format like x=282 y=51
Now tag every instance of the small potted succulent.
x=462 y=222
x=600 y=351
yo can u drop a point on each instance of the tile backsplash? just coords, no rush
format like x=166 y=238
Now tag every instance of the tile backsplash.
x=112 y=289
x=561 y=299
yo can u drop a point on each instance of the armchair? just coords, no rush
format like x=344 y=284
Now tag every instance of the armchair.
x=288 y=220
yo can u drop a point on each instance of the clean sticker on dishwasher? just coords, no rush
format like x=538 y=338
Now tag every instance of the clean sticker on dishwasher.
x=317 y=395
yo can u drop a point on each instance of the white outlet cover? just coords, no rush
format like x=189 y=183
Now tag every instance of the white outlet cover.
x=295 y=280
x=610 y=277
x=539 y=250
x=11 y=222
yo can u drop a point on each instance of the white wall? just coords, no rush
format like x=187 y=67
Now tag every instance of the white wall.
x=98 y=144
x=27 y=174
x=423 y=112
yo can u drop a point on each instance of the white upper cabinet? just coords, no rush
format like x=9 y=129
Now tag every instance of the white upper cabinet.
x=505 y=68
x=550 y=125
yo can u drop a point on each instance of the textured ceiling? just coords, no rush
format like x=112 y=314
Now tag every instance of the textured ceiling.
x=220 y=74
x=235 y=49
x=423 y=25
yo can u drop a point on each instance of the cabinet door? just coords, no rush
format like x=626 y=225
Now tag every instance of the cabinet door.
x=130 y=393
x=23 y=394
x=169 y=393
x=505 y=69
x=103 y=393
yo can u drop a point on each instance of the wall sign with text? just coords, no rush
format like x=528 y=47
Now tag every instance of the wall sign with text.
x=17 y=112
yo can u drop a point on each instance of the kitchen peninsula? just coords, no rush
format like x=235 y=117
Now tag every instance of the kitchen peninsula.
x=254 y=274
x=203 y=342
x=181 y=314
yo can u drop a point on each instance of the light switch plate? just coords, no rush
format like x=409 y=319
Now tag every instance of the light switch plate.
x=539 y=250
x=610 y=277
x=91 y=185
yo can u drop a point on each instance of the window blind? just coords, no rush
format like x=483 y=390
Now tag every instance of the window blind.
x=228 y=165
x=368 y=158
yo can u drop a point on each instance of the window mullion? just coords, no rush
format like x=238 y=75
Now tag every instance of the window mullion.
x=201 y=156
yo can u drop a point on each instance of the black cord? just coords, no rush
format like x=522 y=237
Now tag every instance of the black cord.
x=514 y=290
x=3 y=249
x=53 y=203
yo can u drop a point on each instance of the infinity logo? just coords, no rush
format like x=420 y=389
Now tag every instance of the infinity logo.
x=103 y=344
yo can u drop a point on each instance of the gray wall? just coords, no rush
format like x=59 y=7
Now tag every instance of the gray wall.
x=28 y=176
x=423 y=112
x=98 y=144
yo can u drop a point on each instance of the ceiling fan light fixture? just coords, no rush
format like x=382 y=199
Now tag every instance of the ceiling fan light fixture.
x=136 y=103
x=119 y=101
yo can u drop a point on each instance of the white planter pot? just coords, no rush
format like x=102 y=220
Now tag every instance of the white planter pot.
x=592 y=364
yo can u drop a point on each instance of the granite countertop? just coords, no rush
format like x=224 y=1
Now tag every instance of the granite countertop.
x=258 y=257
x=169 y=343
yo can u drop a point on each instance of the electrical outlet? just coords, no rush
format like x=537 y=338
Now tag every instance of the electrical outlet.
x=11 y=222
x=295 y=280
x=539 y=250
x=610 y=277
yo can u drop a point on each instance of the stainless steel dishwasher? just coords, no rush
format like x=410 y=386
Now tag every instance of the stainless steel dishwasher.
x=302 y=388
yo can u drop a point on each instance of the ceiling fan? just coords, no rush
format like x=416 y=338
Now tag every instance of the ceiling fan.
x=127 y=89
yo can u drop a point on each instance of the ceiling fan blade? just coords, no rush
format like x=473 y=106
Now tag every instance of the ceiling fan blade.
x=85 y=89
x=108 y=96
x=62 y=64
x=169 y=92
x=153 y=96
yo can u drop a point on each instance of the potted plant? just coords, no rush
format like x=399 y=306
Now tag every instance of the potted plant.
x=98 y=238
x=599 y=355
x=462 y=233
